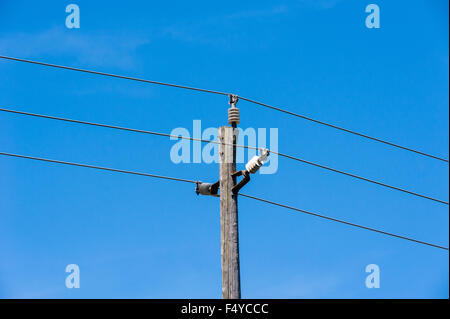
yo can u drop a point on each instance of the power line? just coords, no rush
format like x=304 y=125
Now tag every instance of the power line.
x=113 y=75
x=228 y=94
x=98 y=167
x=362 y=178
x=216 y=142
x=343 y=222
x=195 y=182
x=121 y=128
x=344 y=129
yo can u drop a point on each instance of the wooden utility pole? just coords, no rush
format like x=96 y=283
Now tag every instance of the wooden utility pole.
x=229 y=236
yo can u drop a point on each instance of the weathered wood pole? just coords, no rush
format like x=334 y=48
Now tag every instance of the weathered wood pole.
x=229 y=236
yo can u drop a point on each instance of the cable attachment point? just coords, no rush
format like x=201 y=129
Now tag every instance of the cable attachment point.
x=207 y=188
x=233 y=111
x=233 y=100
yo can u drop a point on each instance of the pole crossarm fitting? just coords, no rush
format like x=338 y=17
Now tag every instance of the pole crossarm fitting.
x=243 y=181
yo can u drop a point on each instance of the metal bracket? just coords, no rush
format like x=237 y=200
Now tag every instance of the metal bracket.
x=243 y=181
x=233 y=100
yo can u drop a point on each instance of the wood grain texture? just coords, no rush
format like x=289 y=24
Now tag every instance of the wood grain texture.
x=229 y=234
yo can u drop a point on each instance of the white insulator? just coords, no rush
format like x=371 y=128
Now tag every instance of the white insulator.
x=256 y=162
x=233 y=115
x=253 y=165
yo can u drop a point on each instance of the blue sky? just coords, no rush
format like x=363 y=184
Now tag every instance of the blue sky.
x=136 y=237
